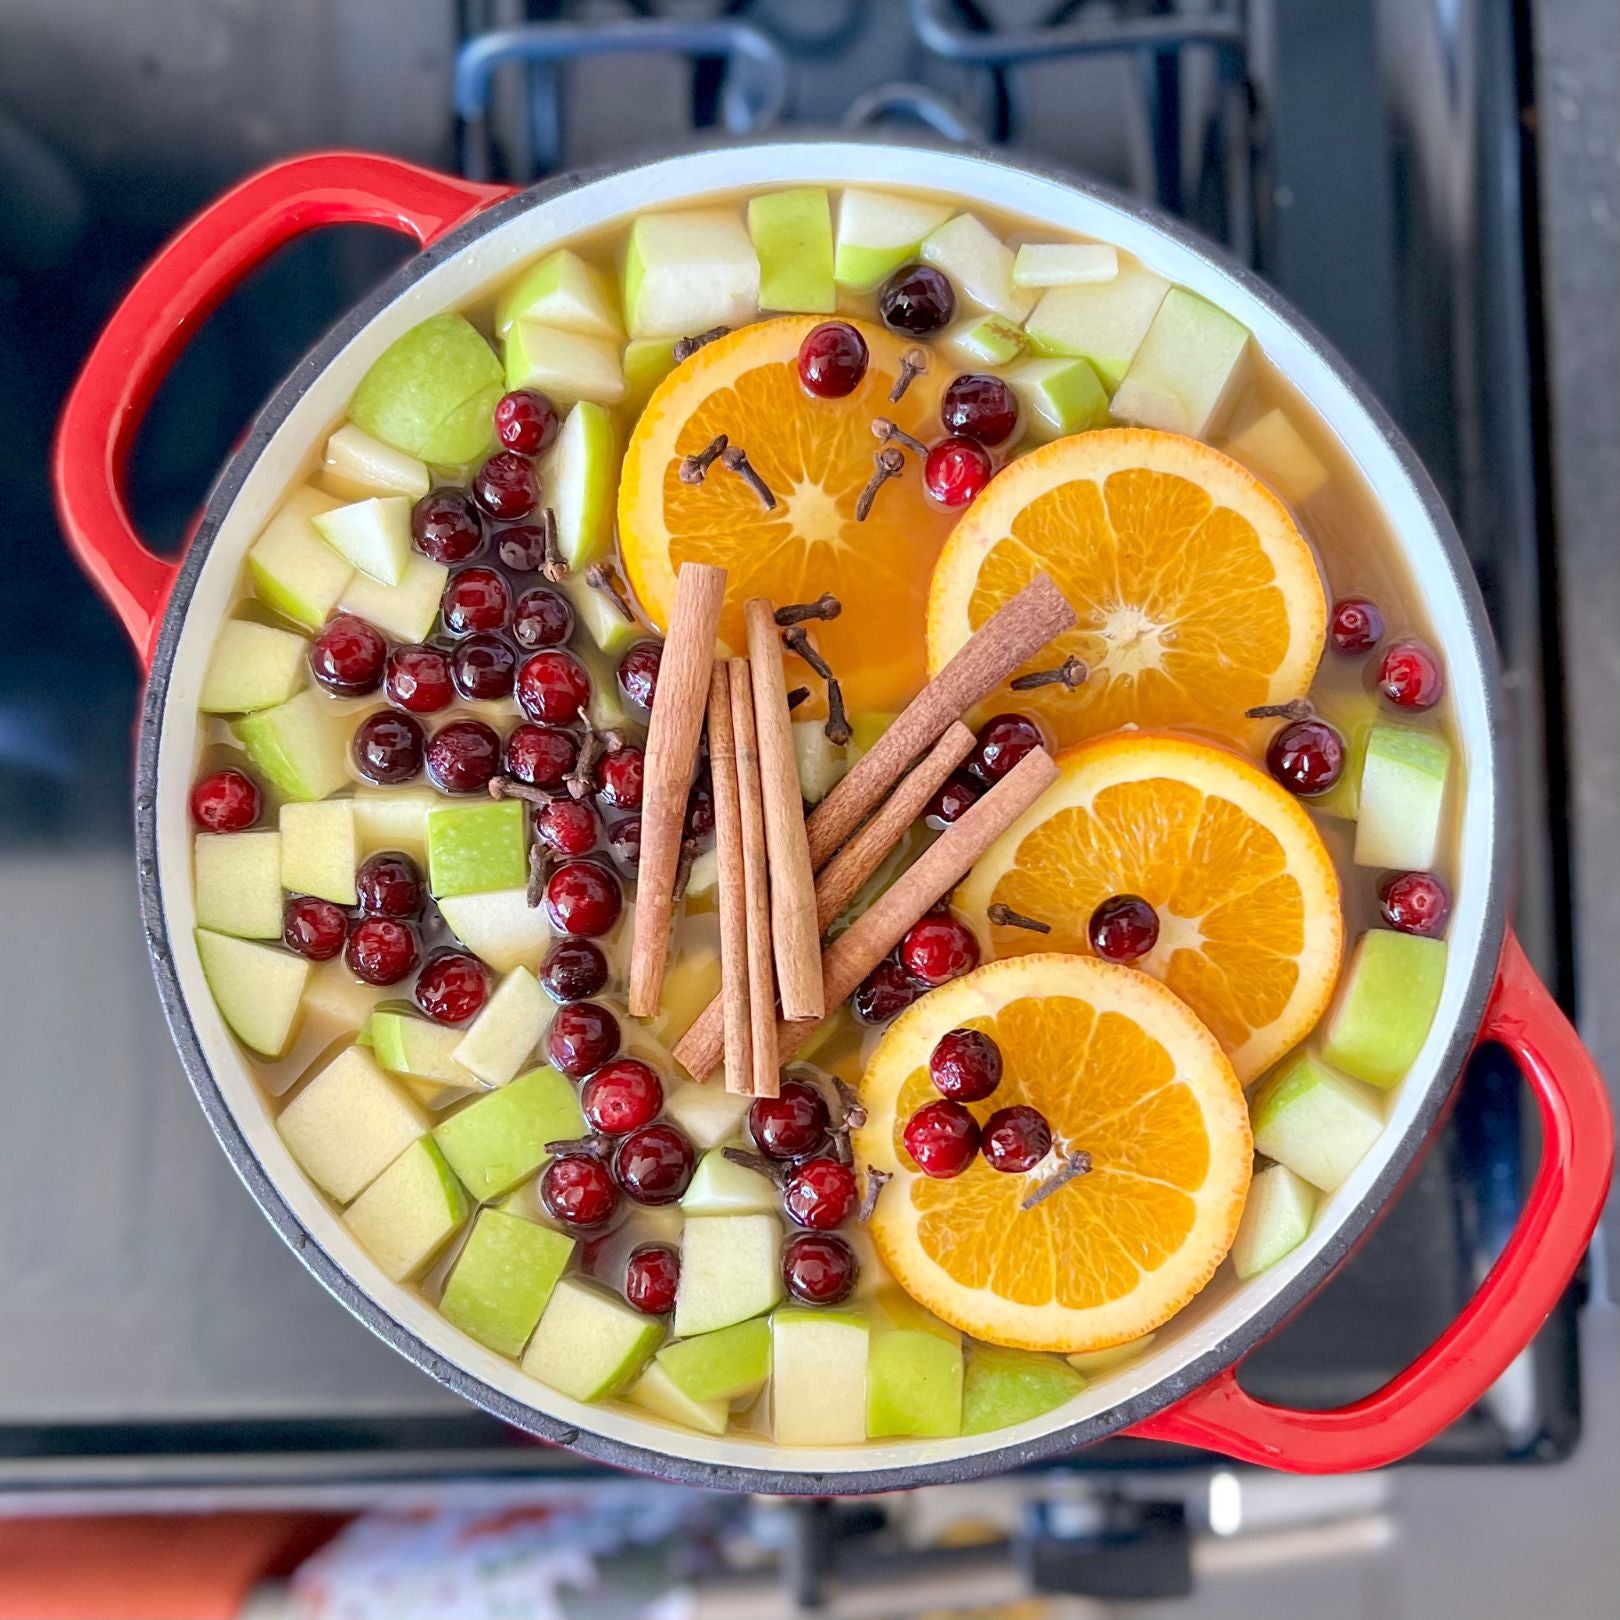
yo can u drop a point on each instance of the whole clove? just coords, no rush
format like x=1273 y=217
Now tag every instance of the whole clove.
x=1294 y=709
x=686 y=347
x=735 y=459
x=604 y=577
x=1003 y=916
x=913 y=363
x=884 y=429
x=508 y=787
x=595 y=1146
x=876 y=1181
x=837 y=728
x=694 y=469
x=552 y=566
x=757 y=1162
x=534 y=891
x=825 y=606
x=1071 y=673
x=798 y=641
x=1075 y=1166
x=890 y=462
x=799 y=694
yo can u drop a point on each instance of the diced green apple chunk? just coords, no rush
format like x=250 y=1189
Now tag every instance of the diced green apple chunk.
x=708 y=1114
x=913 y=1384
x=413 y=1046
x=405 y=611
x=258 y=989
x=600 y=618
x=252 y=666
x=348 y=1124
x=793 y=238
x=984 y=340
x=300 y=745
x=410 y=1212
x=1273 y=448
x=878 y=231
x=1058 y=397
x=567 y=366
x=500 y=1039
x=562 y=291
x=293 y=570
x=374 y=535
x=580 y=475
x=1092 y=1363
x=476 y=848
x=354 y=460
x=335 y=995
x=499 y=927
x=386 y=818
x=319 y=850
x=821 y=761
x=432 y=393
x=979 y=264
x=1064 y=264
x=1353 y=715
x=503 y=1278
x=1003 y=1387
x=1315 y=1121
x=1386 y=1003
x=1104 y=322
x=1276 y=1220
x=726 y=1365
x=588 y=1344
x=818 y=1377
x=731 y=1269
x=1189 y=365
x=687 y=272
x=1403 y=798
x=647 y=362
x=237 y=883
x=721 y=1187
x=658 y=1393
x=496 y=1141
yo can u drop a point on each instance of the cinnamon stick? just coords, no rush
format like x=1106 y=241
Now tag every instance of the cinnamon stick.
x=761 y=1075
x=1011 y=635
x=728 y=843
x=671 y=755
x=794 y=935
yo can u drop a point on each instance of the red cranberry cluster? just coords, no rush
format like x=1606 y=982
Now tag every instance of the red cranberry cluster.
x=1002 y=741
x=935 y=949
x=944 y=1137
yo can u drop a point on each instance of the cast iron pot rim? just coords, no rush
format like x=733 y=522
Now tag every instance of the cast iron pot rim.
x=1060 y=1444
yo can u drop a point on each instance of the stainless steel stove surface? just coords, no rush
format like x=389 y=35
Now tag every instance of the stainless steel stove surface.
x=1367 y=155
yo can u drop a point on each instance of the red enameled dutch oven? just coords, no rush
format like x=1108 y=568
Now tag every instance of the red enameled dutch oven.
x=1185 y=1387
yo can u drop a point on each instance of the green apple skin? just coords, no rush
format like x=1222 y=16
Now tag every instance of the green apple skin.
x=708 y=1114
x=1402 y=798
x=725 y=1365
x=580 y=475
x=687 y=272
x=1003 y=1387
x=503 y=1278
x=300 y=745
x=719 y=1187
x=1190 y=363
x=1274 y=449
x=647 y=362
x=1386 y=1003
x=258 y=989
x=406 y=1216
x=354 y=460
x=293 y=570
x=1353 y=715
x=979 y=263
x=793 y=237
x=319 y=850
x=500 y=927
x=1058 y=396
x=1104 y=323
x=373 y=535
x=1276 y=1220
x=985 y=340
x=252 y=666
x=1315 y=1121
x=495 y=1141
x=589 y=1345
x=1064 y=264
x=412 y=1046
x=656 y=1392
x=501 y=1038
x=818 y=1377
x=913 y=1385
x=731 y=1269
x=878 y=231
x=432 y=393
x=237 y=883
x=562 y=291
x=1093 y=1363
x=348 y=1124
x=476 y=848
x=405 y=611
x=567 y=367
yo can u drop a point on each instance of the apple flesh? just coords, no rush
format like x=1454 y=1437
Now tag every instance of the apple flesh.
x=708 y=1114
x=979 y=264
x=432 y=393
x=647 y=362
x=878 y=231
x=348 y=1124
x=300 y=745
x=1386 y=1003
x=409 y=1213
x=589 y=1345
x=1104 y=322
x=258 y=989
x=499 y=927
x=357 y=463
x=501 y=1038
x=1276 y=1220
x=1003 y=1387
x=503 y=1278
x=579 y=475
x=562 y=291
x=566 y=366
x=821 y=762
x=1402 y=798
x=405 y=611
x=476 y=848
x=720 y=1187
x=731 y=1269
x=1190 y=364
x=727 y=1365
x=237 y=883
x=656 y=1392
x=391 y=819
x=1064 y=264
x=1353 y=715
x=495 y=1141
x=1057 y=397
x=1272 y=447
x=252 y=666
x=292 y=569
x=1090 y=1363
x=818 y=1377
x=793 y=239
x=319 y=850
x=601 y=620
x=687 y=272
x=985 y=340
x=374 y=535
x=411 y=1046
x=1315 y=1121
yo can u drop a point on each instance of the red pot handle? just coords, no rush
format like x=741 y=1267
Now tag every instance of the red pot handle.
x=189 y=277
x=1554 y=1227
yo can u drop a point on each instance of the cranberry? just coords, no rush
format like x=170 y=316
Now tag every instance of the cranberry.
x=1356 y=626
x=347 y=656
x=226 y=801
x=541 y=755
x=980 y=407
x=481 y=668
x=954 y=800
x=832 y=360
x=505 y=486
x=525 y=421
x=1002 y=743
x=789 y=1125
x=452 y=987
x=418 y=679
x=622 y=1096
x=818 y=1269
x=381 y=950
x=1415 y=903
x=638 y=672
x=939 y=949
x=956 y=471
x=654 y=1164
x=651 y=1276
x=1307 y=757
x=389 y=885
x=884 y=993
x=476 y=599
x=542 y=618
x=1015 y=1139
x=699 y=822
x=1410 y=676
x=387 y=747
x=942 y=1137
x=522 y=547
x=446 y=526
x=463 y=756
x=577 y=1190
x=965 y=1065
x=582 y=1037
x=314 y=928
x=567 y=826
x=583 y=897
x=624 y=841
x=917 y=299
x=821 y=1193
x=1123 y=928
x=619 y=778
x=573 y=969
x=552 y=687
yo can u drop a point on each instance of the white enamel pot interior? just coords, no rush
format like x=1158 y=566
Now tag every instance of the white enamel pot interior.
x=1229 y=1317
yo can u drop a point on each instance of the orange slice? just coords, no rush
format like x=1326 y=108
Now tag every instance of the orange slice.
x=1122 y=1071
x=816 y=456
x=1250 y=930
x=1197 y=596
